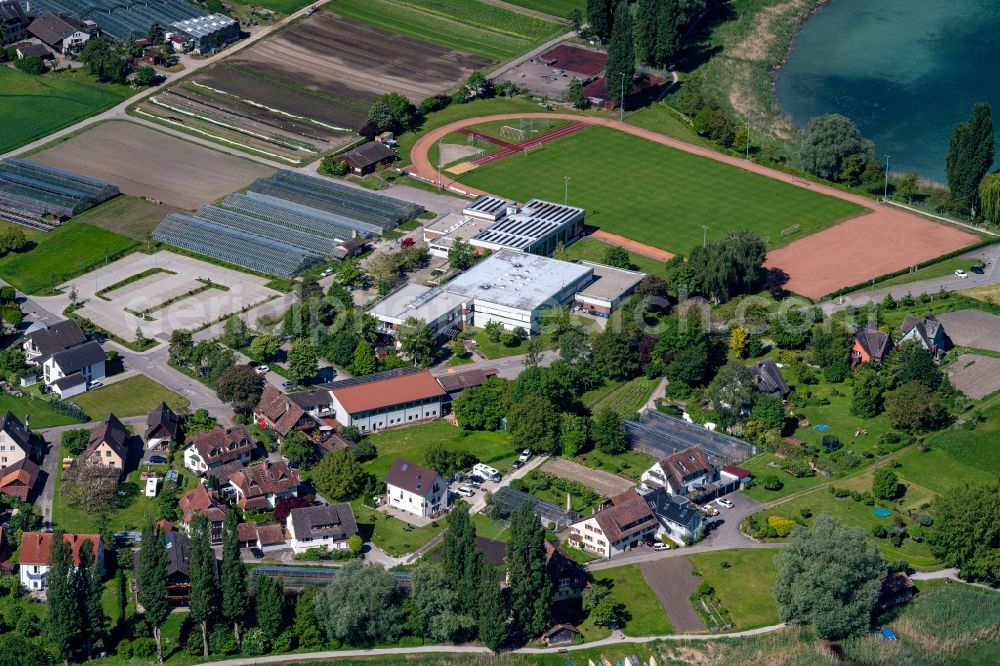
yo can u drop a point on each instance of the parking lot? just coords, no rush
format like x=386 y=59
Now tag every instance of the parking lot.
x=673 y=583
x=164 y=292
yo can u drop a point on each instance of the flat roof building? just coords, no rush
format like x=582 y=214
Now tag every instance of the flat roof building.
x=209 y=33
x=609 y=287
x=440 y=309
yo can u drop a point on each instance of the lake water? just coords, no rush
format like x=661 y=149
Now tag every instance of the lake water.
x=904 y=70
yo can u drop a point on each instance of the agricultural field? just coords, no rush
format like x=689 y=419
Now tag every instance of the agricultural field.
x=130 y=216
x=471 y=26
x=62 y=254
x=647 y=205
x=146 y=163
x=34 y=106
x=627 y=398
x=557 y=8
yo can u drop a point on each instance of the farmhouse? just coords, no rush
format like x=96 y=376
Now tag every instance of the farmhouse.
x=261 y=486
x=387 y=399
x=15 y=441
x=610 y=286
x=870 y=345
x=568 y=578
x=34 y=559
x=74 y=370
x=415 y=489
x=108 y=445
x=681 y=472
x=13 y=22
x=678 y=517
x=208 y=34
x=201 y=501
x=162 y=427
x=624 y=523
x=928 y=331
x=18 y=479
x=218 y=447
x=368 y=158
x=63 y=32
x=768 y=379
x=327 y=527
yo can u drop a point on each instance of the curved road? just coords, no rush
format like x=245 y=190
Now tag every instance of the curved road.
x=818 y=263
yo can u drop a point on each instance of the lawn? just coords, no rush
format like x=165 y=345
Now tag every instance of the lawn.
x=643 y=610
x=488 y=528
x=391 y=534
x=661 y=118
x=745 y=587
x=134 y=217
x=591 y=249
x=667 y=205
x=493 y=448
x=495 y=128
x=975 y=449
x=34 y=106
x=466 y=25
x=628 y=398
x=42 y=416
x=60 y=255
x=134 y=396
x=760 y=466
x=989 y=293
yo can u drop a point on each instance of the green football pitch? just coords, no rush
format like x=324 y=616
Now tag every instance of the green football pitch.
x=659 y=195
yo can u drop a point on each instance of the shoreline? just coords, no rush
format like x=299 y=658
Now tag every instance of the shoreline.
x=775 y=106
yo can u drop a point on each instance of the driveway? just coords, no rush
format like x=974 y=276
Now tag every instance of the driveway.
x=605 y=483
x=673 y=584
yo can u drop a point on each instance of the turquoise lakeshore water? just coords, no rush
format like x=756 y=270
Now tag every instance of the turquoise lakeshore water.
x=904 y=70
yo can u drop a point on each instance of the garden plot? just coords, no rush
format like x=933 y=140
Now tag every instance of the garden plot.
x=975 y=375
x=185 y=293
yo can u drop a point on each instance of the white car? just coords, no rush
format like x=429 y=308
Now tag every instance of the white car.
x=327 y=272
x=962 y=274
x=465 y=491
x=659 y=545
x=726 y=503
x=97 y=384
x=262 y=369
x=525 y=456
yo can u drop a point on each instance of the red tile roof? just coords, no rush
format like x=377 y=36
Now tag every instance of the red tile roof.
x=738 y=472
x=628 y=515
x=221 y=445
x=269 y=535
x=256 y=483
x=278 y=410
x=18 y=479
x=202 y=501
x=35 y=546
x=387 y=392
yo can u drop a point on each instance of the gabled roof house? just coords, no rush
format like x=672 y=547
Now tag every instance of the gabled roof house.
x=680 y=472
x=928 y=331
x=624 y=523
x=870 y=345
x=415 y=489
x=218 y=447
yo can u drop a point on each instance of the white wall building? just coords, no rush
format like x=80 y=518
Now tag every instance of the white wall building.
x=416 y=490
x=34 y=557
x=328 y=526
x=72 y=371
x=387 y=399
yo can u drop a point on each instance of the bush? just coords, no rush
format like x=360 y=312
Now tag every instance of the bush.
x=221 y=640
x=896 y=539
x=878 y=531
x=841 y=492
x=254 y=642
x=855 y=495
x=705 y=589
x=771 y=482
x=782 y=526
x=805 y=512
x=283 y=642
x=924 y=520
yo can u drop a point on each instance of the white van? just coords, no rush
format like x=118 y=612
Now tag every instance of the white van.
x=486 y=472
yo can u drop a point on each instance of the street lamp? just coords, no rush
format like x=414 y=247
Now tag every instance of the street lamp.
x=748 y=136
x=704 y=235
x=621 y=102
x=566 y=190
x=440 y=178
x=885 y=192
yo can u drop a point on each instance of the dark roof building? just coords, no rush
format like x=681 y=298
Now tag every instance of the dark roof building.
x=928 y=331
x=108 y=445
x=261 y=486
x=767 y=378
x=77 y=358
x=870 y=344
x=44 y=342
x=29 y=49
x=458 y=381
x=223 y=445
x=17 y=433
x=411 y=478
x=162 y=425
x=677 y=515
x=331 y=523
x=368 y=157
x=13 y=22
x=62 y=32
x=282 y=413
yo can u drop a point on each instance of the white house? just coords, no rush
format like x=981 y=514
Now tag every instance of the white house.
x=328 y=526
x=65 y=33
x=387 y=399
x=34 y=559
x=217 y=447
x=15 y=441
x=622 y=525
x=680 y=472
x=72 y=371
x=415 y=489
x=679 y=519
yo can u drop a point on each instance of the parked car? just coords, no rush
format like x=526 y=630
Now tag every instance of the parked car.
x=659 y=545
x=474 y=480
x=157 y=460
x=287 y=384
x=517 y=464
x=465 y=491
x=709 y=510
x=525 y=456
x=97 y=384
x=262 y=369
x=486 y=472
x=726 y=503
x=888 y=634
x=962 y=274
x=327 y=272
x=406 y=242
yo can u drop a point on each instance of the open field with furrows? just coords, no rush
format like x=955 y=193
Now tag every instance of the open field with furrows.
x=144 y=162
x=33 y=106
x=662 y=196
x=471 y=26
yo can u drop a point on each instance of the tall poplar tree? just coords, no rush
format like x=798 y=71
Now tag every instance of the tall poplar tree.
x=235 y=598
x=493 y=611
x=202 y=573
x=153 y=582
x=269 y=600
x=89 y=588
x=970 y=156
x=599 y=17
x=64 y=611
x=530 y=587
x=646 y=22
x=462 y=560
x=621 y=55
x=669 y=23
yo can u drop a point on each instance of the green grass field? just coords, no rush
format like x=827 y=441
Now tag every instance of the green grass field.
x=628 y=398
x=591 y=249
x=659 y=196
x=34 y=106
x=940 y=269
x=493 y=448
x=284 y=6
x=629 y=465
x=746 y=587
x=557 y=8
x=134 y=217
x=134 y=396
x=661 y=118
x=644 y=612
x=60 y=255
x=974 y=448
x=391 y=534
x=466 y=25
x=42 y=416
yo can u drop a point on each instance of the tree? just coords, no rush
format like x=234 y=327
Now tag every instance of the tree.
x=866 y=400
x=142 y=77
x=235 y=333
x=434 y=609
x=730 y=391
x=873 y=177
x=340 y=477
x=831 y=576
x=202 y=576
x=75 y=441
x=723 y=269
x=64 y=623
x=738 y=339
x=573 y=433
x=909 y=186
x=12 y=240
x=579 y=101
x=620 y=66
x=613 y=356
x=461 y=254
x=103 y=59
x=265 y=347
x=155 y=34
x=830 y=141
x=30 y=65
x=493 y=610
x=269 y=603
x=618 y=257
x=235 y=597
x=533 y=423
x=608 y=432
x=302 y=361
x=646 y=17
x=350 y=274
x=716 y=124
x=392 y=112
x=910 y=362
x=885 y=484
x=306 y=626
x=89 y=588
x=365 y=361
x=599 y=16
x=769 y=410
x=832 y=351
x=361 y=605
x=913 y=407
x=481 y=407
x=601 y=606
x=152 y=583
x=240 y=386
x=181 y=343
x=299 y=450
x=789 y=330
x=462 y=560
x=530 y=586
x=966 y=530
x=416 y=340
x=970 y=156
x=989 y=196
